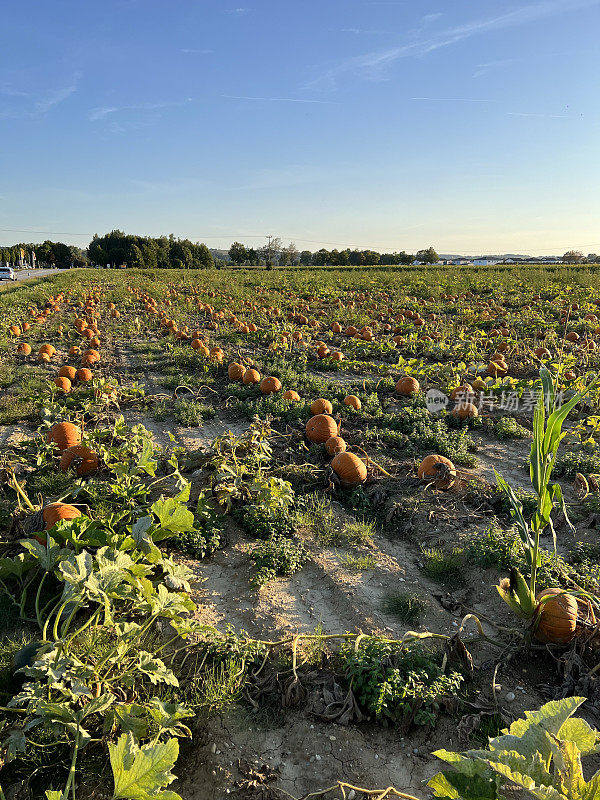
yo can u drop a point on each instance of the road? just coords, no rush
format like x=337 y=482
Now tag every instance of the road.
x=24 y=274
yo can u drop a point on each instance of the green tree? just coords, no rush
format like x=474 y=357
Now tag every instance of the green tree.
x=573 y=257
x=238 y=253
x=428 y=256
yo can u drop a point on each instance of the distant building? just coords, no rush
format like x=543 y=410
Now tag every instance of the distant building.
x=486 y=261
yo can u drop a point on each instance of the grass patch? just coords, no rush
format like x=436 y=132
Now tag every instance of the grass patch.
x=355 y=563
x=407 y=607
x=443 y=567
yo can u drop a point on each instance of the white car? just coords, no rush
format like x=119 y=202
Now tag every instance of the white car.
x=7 y=274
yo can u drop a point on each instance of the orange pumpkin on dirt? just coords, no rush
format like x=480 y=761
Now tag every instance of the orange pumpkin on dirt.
x=80 y=457
x=407 y=386
x=438 y=469
x=84 y=375
x=353 y=401
x=251 y=376
x=557 y=617
x=64 y=434
x=465 y=411
x=290 y=394
x=320 y=428
x=270 y=385
x=67 y=372
x=24 y=349
x=335 y=445
x=90 y=356
x=321 y=406
x=15 y=330
x=236 y=371
x=49 y=349
x=63 y=384
x=350 y=469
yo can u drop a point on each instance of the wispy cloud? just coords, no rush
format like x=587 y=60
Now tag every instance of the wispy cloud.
x=198 y=52
x=375 y=63
x=56 y=96
x=483 y=69
x=281 y=100
x=106 y=111
x=236 y=10
x=541 y=116
x=453 y=99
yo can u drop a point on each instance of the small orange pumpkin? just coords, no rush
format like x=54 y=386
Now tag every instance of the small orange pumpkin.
x=55 y=512
x=24 y=349
x=64 y=384
x=335 y=445
x=236 y=371
x=251 y=376
x=290 y=394
x=67 y=372
x=353 y=401
x=84 y=375
x=438 y=469
x=321 y=406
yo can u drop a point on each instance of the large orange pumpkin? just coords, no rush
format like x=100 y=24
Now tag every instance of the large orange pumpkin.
x=407 y=386
x=320 y=428
x=24 y=349
x=84 y=375
x=557 y=617
x=350 y=469
x=55 y=512
x=84 y=460
x=270 y=385
x=64 y=434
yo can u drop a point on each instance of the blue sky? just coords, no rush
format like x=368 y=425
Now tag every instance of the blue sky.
x=472 y=125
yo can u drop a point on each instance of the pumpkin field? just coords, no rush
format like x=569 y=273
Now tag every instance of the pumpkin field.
x=291 y=533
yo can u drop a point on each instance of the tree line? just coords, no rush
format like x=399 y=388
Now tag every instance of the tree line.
x=118 y=248
x=275 y=252
x=48 y=253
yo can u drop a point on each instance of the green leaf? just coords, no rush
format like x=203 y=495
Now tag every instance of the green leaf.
x=142 y=773
x=583 y=735
x=173 y=516
x=456 y=786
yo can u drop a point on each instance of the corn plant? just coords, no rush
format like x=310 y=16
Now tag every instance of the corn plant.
x=548 y=420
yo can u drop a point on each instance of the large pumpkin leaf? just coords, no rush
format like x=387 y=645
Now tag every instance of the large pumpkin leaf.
x=142 y=773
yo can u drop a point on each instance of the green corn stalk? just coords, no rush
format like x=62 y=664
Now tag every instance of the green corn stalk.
x=548 y=421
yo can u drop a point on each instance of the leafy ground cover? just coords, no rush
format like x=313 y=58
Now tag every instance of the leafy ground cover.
x=215 y=510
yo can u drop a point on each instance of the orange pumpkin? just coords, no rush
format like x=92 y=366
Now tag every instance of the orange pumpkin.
x=335 y=445
x=84 y=375
x=15 y=330
x=465 y=411
x=48 y=349
x=64 y=384
x=557 y=617
x=86 y=461
x=438 y=469
x=55 y=512
x=24 y=349
x=290 y=394
x=407 y=386
x=64 y=434
x=67 y=372
x=350 y=469
x=236 y=371
x=321 y=406
x=270 y=385
x=353 y=401
x=320 y=428
x=251 y=376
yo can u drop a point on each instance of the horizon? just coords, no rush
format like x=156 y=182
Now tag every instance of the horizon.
x=370 y=125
